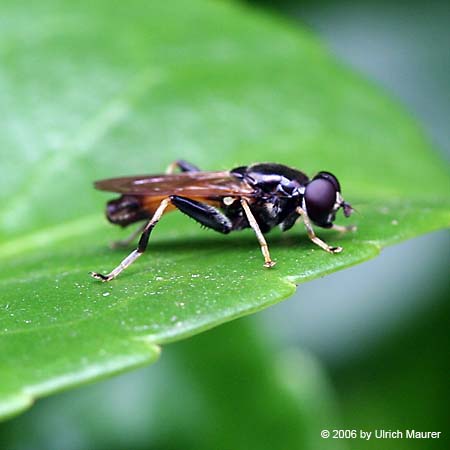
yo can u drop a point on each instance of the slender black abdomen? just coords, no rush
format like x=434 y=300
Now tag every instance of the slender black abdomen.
x=125 y=210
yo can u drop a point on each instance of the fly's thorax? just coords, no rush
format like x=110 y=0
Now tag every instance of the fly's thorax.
x=271 y=211
x=271 y=178
x=278 y=191
x=277 y=179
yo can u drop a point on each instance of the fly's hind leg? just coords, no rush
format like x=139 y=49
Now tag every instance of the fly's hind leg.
x=211 y=217
x=262 y=242
x=143 y=241
x=312 y=234
x=203 y=213
x=183 y=166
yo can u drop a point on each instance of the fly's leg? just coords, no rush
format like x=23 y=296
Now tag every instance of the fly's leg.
x=127 y=241
x=343 y=229
x=184 y=166
x=313 y=236
x=205 y=214
x=143 y=241
x=262 y=242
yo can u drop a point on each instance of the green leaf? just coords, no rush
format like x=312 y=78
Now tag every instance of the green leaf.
x=92 y=90
x=234 y=397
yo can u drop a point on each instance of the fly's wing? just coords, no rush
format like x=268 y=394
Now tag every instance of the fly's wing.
x=186 y=184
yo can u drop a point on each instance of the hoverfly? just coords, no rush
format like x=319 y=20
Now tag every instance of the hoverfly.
x=259 y=196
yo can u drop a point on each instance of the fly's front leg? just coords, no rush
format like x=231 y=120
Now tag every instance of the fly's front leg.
x=313 y=236
x=262 y=242
x=143 y=241
x=182 y=165
x=344 y=229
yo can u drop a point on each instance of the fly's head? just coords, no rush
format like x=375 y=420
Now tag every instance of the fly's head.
x=322 y=199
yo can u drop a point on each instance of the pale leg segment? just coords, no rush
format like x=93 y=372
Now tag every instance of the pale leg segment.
x=172 y=168
x=344 y=229
x=127 y=241
x=181 y=165
x=312 y=235
x=262 y=242
x=141 y=247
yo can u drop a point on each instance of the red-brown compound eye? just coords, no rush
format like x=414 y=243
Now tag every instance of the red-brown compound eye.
x=320 y=198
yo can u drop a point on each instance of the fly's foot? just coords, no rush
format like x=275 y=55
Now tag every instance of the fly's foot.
x=334 y=250
x=269 y=264
x=99 y=276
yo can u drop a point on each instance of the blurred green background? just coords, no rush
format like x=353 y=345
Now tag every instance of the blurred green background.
x=366 y=348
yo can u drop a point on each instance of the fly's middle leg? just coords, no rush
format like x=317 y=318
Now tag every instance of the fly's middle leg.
x=262 y=241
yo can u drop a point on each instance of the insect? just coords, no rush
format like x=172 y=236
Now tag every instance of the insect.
x=260 y=196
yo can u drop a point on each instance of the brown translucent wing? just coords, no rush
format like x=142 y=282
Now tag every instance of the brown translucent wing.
x=186 y=184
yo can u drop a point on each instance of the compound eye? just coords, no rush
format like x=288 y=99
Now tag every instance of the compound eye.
x=320 y=197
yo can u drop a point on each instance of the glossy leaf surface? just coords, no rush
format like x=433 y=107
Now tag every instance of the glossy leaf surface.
x=92 y=90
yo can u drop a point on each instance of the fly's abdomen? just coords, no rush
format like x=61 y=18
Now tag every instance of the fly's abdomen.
x=125 y=210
